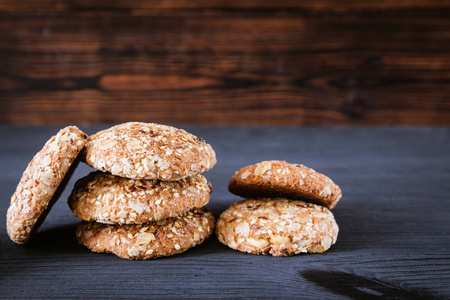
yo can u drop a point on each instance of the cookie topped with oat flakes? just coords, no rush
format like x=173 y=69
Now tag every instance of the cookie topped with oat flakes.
x=110 y=199
x=269 y=179
x=279 y=227
x=148 y=151
x=149 y=240
x=42 y=182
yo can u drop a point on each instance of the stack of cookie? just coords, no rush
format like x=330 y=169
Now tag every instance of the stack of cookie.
x=147 y=199
x=287 y=210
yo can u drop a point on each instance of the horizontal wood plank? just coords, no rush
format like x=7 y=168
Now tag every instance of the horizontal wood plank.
x=345 y=5
x=226 y=67
x=393 y=219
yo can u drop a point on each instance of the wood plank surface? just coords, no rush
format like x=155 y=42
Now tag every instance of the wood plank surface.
x=220 y=4
x=356 y=63
x=393 y=222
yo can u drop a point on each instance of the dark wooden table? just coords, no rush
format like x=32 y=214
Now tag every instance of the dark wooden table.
x=394 y=220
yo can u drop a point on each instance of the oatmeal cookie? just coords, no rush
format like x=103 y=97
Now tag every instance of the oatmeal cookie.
x=150 y=240
x=148 y=151
x=279 y=227
x=40 y=181
x=272 y=179
x=106 y=198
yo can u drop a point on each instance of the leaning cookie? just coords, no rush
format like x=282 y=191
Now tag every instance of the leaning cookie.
x=279 y=227
x=285 y=180
x=106 y=198
x=40 y=181
x=150 y=240
x=148 y=151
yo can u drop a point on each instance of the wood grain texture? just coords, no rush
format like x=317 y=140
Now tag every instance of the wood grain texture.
x=393 y=218
x=61 y=5
x=356 y=63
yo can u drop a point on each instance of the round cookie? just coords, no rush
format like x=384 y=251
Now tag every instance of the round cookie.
x=148 y=151
x=106 y=198
x=40 y=181
x=281 y=179
x=279 y=227
x=164 y=238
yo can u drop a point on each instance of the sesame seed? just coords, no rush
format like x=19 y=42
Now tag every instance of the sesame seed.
x=177 y=247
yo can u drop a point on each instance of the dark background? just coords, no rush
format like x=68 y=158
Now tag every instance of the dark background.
x=255 y=62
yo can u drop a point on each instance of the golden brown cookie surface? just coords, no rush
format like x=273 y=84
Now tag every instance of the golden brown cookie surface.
x=106 y=198
x=40 y=180
x=281 y=179
x=279 y=227
x=148 y=151
x=150 y=240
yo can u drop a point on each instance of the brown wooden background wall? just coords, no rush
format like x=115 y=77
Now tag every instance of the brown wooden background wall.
x=225 y=61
